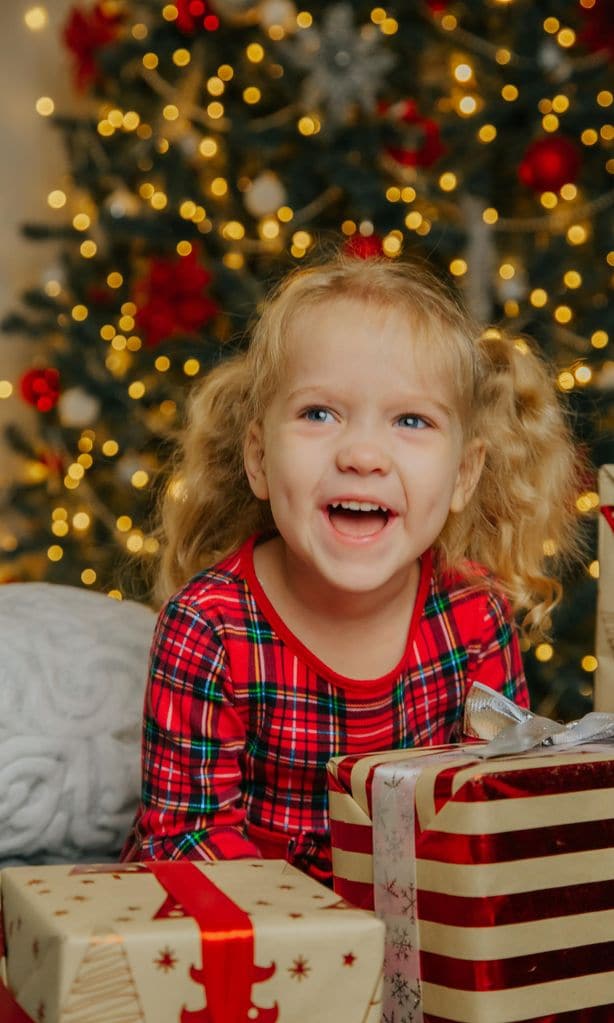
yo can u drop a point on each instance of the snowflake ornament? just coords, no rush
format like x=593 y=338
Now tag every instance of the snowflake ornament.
x=345 y=65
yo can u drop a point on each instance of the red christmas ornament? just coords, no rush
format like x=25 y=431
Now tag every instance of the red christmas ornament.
x=363 y=247
x=422 y=145
x=549 y=163
x=85 y=33
x=195 y=14
x=41 y=388
x=598 y=31
x=170 y=299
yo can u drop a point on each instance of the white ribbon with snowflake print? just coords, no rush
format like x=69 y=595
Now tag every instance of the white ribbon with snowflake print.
x=394 y=879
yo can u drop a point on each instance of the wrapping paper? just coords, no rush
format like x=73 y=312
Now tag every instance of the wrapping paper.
x=495 y=879
x=604 y=677
x=247 y=941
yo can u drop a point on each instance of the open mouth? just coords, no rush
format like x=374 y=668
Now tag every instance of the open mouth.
x=358 y=518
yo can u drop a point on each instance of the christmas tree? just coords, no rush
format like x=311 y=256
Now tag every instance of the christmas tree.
x=223 y=141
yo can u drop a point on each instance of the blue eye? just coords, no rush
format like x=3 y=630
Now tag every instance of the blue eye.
x=318 y=415
x=412 y=422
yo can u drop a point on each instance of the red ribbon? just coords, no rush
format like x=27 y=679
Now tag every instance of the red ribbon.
x=227 y=941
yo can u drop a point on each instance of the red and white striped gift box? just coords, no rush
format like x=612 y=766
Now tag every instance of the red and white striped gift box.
x=495 y=879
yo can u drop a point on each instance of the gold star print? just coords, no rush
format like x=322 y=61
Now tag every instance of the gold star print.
x=299 y=968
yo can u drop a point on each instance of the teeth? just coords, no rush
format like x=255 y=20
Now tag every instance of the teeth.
x=364 y=506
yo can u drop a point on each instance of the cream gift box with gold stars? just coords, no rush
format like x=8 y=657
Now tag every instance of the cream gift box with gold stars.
x=246 y=941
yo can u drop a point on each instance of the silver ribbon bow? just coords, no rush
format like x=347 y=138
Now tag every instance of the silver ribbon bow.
x=512 y=729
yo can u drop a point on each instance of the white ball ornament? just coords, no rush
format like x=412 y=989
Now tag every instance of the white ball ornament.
x=278 y=12
x=78 y=408
x=265 y=195
x=122 y=203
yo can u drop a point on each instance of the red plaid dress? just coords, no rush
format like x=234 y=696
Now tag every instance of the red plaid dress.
x=241 y=718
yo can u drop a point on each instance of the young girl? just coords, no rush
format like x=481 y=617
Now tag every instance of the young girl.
x=360 y=508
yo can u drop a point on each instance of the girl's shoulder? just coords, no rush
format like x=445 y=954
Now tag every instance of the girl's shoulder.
x=469 y=583
x=217 y=585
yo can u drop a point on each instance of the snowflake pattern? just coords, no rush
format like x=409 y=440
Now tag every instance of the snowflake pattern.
x=409 y=901
x=401 y=942
x=400 y=988
x=395 y=843
x=345 y=65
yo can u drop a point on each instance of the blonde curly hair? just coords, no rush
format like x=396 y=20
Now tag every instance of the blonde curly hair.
x=520 y=524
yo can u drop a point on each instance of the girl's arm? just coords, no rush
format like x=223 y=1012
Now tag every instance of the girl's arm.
x=191 y=804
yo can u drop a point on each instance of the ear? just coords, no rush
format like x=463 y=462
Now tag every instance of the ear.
x=468 y=476
x=253 y=460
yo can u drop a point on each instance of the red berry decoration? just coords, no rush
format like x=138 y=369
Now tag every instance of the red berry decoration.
x=363 y=247
x=195 y=14
x=550 y=163
x=171 y=299
x=420 y=138
x=85 y=34
x=41 y=388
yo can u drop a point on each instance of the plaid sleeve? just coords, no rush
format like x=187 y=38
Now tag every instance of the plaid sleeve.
x=498 y=662
x=191 y=804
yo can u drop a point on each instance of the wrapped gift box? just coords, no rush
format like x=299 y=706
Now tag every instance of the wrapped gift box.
x=246 y=941
x=604 y=676
x=495 y=879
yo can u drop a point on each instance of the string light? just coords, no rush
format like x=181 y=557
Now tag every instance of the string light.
x=458 y=267
x=56 y=199
x=36 y=18
x=389 y=26
x=45 y=106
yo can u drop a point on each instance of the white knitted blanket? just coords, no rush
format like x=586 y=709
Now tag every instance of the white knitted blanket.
x=73 y=665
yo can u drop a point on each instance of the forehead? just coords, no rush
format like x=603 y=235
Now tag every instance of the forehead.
x=349 y=334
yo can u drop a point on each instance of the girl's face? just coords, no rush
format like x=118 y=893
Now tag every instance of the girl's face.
x=360 y=453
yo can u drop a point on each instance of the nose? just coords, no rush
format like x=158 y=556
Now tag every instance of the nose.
x=363 y=456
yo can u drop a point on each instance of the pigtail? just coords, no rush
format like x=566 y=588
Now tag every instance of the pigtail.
x=207 y=508
x=521 y=523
